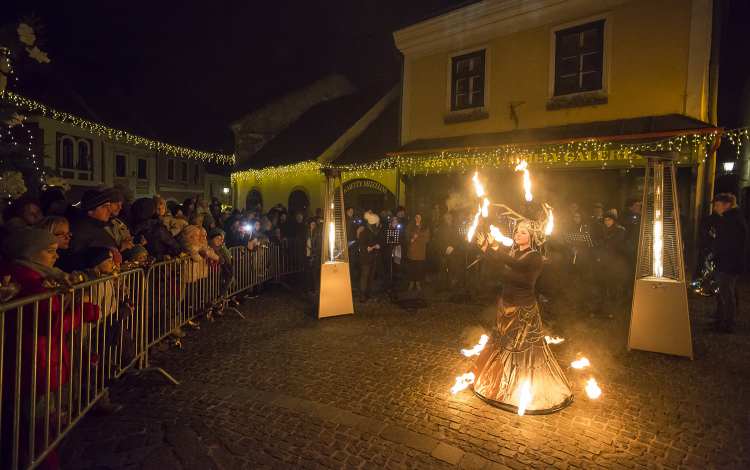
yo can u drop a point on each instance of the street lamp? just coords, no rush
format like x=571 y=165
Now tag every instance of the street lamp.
x=226 y=190
x=728 y=166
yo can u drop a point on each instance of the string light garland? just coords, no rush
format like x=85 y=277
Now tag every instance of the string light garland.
x=616 y=154
x=111 y=133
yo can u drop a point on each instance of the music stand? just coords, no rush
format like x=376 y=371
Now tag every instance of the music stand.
x=578 y=238
x=393 y=237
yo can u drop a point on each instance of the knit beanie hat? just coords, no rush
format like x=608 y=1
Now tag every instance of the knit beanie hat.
x=195 y=216
x=92 y=199
x=27 y=243
x=611 y=214
x=133 y=253
x=215 y=232
x=95 y=255
x=158 y=200
x=188 y=232
x=373 y=219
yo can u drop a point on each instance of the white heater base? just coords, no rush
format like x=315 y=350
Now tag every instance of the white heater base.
x=660 y=321
x=335 y=290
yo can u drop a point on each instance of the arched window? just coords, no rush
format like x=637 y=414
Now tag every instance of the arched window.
x=83 y=155
x=298 y=201
x=67 y=153
x=254 y=198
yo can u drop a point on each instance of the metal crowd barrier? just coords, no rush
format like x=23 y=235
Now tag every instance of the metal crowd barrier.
x=57 y=358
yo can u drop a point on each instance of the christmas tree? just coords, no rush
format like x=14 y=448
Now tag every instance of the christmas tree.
x=20 y=166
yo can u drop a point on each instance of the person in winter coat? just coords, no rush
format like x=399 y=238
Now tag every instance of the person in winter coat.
x=216 y=242
x=729 y=254
x=612 y=267
x=447 y=244
x=312 y=251
x=370 y=242
x=173 y=224
x=145 y=223
x=417 y=237
x=117 y=229
x=58 y=226
x=32 y=254
x=90 y=227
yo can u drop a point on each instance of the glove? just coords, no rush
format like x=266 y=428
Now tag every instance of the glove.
x=449 y=250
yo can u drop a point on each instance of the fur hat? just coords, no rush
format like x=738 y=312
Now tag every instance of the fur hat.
x=373 y=219
x=611 y=214
x=92 y=199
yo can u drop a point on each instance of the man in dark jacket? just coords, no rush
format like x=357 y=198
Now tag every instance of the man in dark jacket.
x=145 y=223
x=447 y=244
x=369 y=254
x=729 y=254
x=90 y=227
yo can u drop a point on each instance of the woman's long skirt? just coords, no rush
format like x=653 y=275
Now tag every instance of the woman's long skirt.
x=516 y=352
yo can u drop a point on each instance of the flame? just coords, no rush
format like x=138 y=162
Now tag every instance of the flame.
x=332 y=238
x=476 y=349
x=581 y=364
x=592 y=389
x=478 y=185
x=658 y=243
x=658 y=209
x=463 y=382
x=498 y=235
x=525 y=399
x=526 y=180
x=555 y=340
x=483 y=210
x=551 y=222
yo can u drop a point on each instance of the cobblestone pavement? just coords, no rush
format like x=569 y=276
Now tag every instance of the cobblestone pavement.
x=281 y=390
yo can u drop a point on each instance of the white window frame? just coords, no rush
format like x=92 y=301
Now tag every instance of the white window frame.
x=449 y=81
x=606 y=16
x=74 y=170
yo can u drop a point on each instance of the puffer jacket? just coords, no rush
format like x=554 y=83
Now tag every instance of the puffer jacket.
x=173 y=224
x=145 y=222
x=31 y=283
x=88 y=232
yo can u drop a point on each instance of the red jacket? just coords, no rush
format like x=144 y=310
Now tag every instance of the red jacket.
x=48 y=314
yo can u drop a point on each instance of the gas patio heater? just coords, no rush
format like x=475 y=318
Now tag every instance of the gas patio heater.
x=659 y=321
x=335 y=284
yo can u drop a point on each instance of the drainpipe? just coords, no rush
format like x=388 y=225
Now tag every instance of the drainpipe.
x=713 y=92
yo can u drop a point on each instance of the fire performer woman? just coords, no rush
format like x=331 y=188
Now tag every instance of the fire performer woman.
x=517 y=351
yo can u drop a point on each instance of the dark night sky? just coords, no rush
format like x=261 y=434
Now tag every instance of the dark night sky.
x=180 y=72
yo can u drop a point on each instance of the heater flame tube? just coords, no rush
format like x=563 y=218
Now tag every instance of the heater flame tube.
x=332 y=238
x=658 y=218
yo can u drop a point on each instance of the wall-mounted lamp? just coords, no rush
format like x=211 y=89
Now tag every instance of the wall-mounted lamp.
x=226 y=190
x=728 y=166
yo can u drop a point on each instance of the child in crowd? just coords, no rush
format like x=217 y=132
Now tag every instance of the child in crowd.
x=203 y=242
x=173 y=224
x=137 y=255
x=216 y=242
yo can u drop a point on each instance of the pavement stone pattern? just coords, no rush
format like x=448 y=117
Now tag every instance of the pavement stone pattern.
x=283 y=390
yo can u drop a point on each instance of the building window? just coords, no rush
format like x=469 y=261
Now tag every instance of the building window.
x=142 y=169
x=579 y=58
x=170 y=169
x=184 y=171
x=121 y=166
x=196 y=173
x=67 y=153
x=83 y=156
x=467 y=81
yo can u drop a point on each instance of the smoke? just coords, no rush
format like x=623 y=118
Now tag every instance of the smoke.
x=458 y=202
